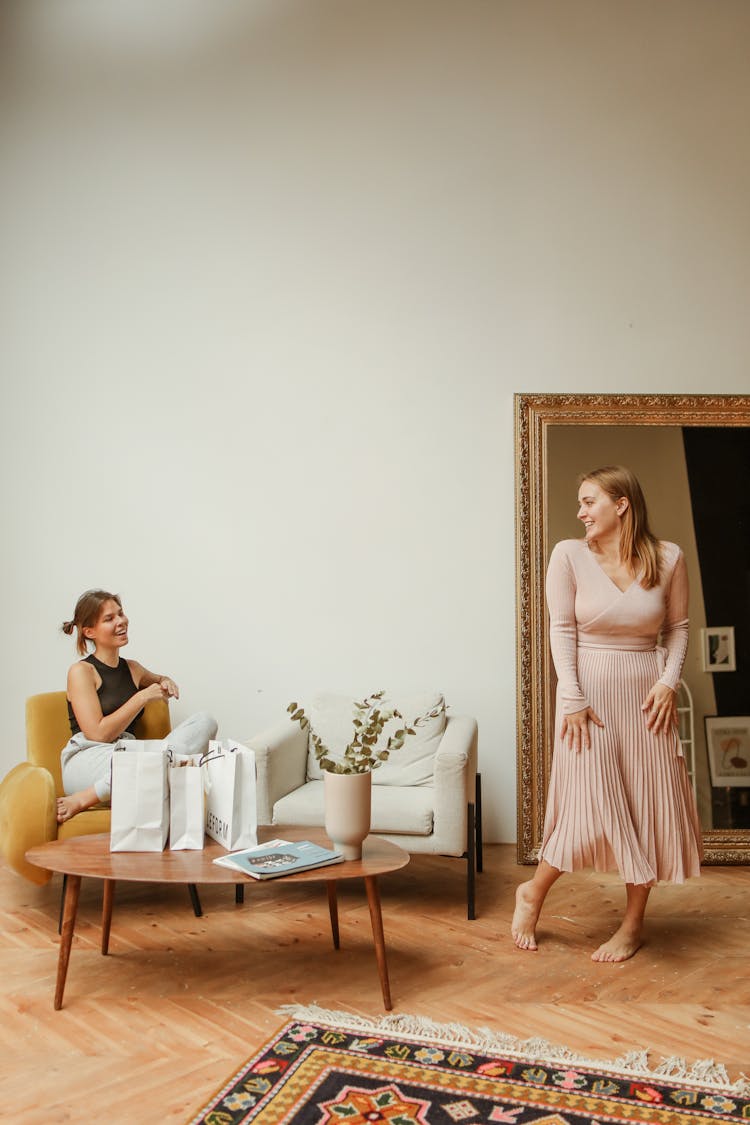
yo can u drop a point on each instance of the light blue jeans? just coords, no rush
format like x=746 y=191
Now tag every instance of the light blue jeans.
x=85 y=763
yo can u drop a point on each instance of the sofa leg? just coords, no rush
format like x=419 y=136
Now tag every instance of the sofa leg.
x=195 y=900
x=239 y=893
x=470 y=862
x=478 y=820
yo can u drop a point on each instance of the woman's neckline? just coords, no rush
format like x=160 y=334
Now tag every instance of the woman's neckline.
x=610 y=579
x=104 y=664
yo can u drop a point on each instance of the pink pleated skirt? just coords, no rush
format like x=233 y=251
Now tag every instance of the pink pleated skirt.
x=627 y=803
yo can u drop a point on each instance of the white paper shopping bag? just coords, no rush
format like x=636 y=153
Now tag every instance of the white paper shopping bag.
x=231 y=810
x=140 y=797
x=187 y=813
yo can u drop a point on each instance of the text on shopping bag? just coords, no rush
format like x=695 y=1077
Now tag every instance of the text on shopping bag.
x=230 y=785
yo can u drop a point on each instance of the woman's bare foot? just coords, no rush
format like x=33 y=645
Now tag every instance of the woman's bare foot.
x=74 y=803
x=620 y=947
x=525 y=917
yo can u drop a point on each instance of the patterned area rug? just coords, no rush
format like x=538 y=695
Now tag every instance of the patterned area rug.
x=332 y=1068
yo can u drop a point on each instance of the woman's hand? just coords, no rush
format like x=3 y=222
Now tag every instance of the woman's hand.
x=148 y=681
x=660 y=707
x=153 y=691
x=575 y=729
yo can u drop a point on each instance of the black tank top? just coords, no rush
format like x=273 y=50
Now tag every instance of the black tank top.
x=117 y=687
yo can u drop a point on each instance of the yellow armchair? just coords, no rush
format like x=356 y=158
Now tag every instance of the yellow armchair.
x=28 y=794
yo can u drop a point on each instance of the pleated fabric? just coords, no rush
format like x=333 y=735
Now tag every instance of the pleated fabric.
x=625 y=804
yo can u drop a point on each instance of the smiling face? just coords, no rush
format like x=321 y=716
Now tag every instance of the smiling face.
x=599 y=514
x=111 y=629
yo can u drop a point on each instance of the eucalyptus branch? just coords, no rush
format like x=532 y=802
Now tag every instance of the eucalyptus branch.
x=369 y=719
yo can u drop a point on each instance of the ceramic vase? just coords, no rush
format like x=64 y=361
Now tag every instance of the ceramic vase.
x=347 y=799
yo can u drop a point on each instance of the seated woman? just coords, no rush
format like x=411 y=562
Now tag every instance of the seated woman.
x=106 y=695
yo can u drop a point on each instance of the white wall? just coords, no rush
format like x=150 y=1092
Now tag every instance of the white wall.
x=271 y=273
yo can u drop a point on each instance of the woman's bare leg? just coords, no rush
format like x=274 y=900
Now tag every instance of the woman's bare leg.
x=74 y=803
x=530 y=898
x=627 y=939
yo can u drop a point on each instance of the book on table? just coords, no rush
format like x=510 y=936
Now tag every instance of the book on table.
x=279 y=857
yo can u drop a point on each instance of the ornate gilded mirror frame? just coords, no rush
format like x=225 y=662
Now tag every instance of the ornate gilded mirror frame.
x=534 y=414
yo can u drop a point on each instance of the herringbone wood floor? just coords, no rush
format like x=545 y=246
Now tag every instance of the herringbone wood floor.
x=150 y=1031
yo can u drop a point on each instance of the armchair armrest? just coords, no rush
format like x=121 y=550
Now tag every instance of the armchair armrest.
x=155 y=721
x=28 y=816
x=455 y=773
x=281 y=764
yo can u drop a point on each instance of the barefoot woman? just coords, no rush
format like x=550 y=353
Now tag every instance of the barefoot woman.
x=106 y=695
x=619 y=795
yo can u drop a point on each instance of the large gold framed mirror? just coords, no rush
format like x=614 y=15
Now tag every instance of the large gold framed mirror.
x=559 y=436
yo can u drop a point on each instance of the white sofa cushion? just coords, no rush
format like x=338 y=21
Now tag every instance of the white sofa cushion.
x=394 y=809
x=331 y=718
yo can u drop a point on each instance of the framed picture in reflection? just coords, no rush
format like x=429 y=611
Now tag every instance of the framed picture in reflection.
x=728 y=746
x=718 y=649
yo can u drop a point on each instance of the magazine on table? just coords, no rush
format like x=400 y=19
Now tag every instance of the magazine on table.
x=279 y=857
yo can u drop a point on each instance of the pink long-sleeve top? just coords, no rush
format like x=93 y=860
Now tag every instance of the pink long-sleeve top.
x=587 y=608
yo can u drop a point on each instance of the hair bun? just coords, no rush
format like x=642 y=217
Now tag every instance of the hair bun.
x=67 y=627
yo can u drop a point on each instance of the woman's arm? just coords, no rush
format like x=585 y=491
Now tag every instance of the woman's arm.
x=660 y=705
x=675 y=627
x=88 y=711
x=142 y=678
x=563 y=630
x=563 y=640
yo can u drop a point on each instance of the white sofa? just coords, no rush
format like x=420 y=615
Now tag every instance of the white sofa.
x=439 y=815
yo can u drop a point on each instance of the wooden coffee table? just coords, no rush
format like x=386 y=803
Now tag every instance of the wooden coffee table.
x=90 y=856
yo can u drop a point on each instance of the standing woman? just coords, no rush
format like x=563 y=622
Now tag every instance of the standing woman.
x=619 y=795
x=106 y=695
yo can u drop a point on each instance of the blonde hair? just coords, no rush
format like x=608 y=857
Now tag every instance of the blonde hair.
x=86 y=614
x=638 y=545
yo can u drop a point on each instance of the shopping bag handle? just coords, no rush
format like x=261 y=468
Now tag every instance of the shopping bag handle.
x=211 y=756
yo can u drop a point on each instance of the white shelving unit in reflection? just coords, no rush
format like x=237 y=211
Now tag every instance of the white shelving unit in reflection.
x=686 y=729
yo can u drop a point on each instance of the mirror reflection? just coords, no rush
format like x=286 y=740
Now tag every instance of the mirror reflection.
x=695 y=478
x=695 y=482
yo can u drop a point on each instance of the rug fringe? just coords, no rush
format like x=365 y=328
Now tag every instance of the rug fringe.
x=705 y=1072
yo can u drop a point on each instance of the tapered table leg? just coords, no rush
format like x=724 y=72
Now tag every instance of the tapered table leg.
x=376 y=918
x=72 y=891
x=333 y=910
x=107 y=900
